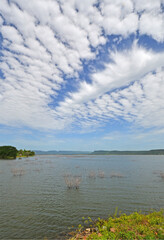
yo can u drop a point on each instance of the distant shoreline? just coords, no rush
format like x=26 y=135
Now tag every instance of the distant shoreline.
x=100 y=152
x=149 y=152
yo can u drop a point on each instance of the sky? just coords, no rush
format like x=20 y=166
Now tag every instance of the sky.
x=82 y=75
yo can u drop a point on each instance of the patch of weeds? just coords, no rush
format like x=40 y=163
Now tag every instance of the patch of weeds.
x=133 y=226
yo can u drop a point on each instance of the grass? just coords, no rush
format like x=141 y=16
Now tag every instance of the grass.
x=133 y=226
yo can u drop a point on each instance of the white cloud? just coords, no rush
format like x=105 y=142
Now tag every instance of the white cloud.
x=24 y=22
x=44 y=45
x=124 y=27
x=147 y=5
x=153 y=25
x=126 y=67
x=140 y=103
x=11 y=34
x=119 y=18
x=152 y=18
x=150 y=134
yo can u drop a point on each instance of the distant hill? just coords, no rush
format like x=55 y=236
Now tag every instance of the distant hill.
x=115 y=152
x=53 y=152
x=101 y=152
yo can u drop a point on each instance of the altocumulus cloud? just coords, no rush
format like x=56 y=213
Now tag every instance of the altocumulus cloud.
x=47 y=46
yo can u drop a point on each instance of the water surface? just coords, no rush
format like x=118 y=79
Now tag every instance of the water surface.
x=38 y=204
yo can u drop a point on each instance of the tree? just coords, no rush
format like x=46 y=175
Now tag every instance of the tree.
x=8 y=152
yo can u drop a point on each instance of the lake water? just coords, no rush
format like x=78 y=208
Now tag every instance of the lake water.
x=38 y=204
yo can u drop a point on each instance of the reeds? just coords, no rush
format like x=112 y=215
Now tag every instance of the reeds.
x=162 y=175
x=116 y=175
x=159 y=173
x=101 y=174
x=18 y=171
x=92 y=174
x=72 y=181
x=37 y=170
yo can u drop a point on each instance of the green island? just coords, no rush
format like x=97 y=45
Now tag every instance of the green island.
x=133 y=226
x=10 y=152
x=25 y=153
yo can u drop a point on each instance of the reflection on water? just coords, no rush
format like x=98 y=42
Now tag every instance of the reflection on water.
x=45 y=195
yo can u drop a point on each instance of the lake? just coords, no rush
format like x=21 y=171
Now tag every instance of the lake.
x=35 y=201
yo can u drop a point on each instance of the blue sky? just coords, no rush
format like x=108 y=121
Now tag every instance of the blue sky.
x=82 y=75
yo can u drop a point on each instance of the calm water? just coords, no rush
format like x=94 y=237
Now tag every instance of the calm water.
x=38 y=203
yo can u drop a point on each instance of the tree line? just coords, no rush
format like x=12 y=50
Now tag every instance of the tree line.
x=10 y=152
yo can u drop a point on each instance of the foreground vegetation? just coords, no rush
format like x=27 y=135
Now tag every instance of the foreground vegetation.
x=134 y=226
